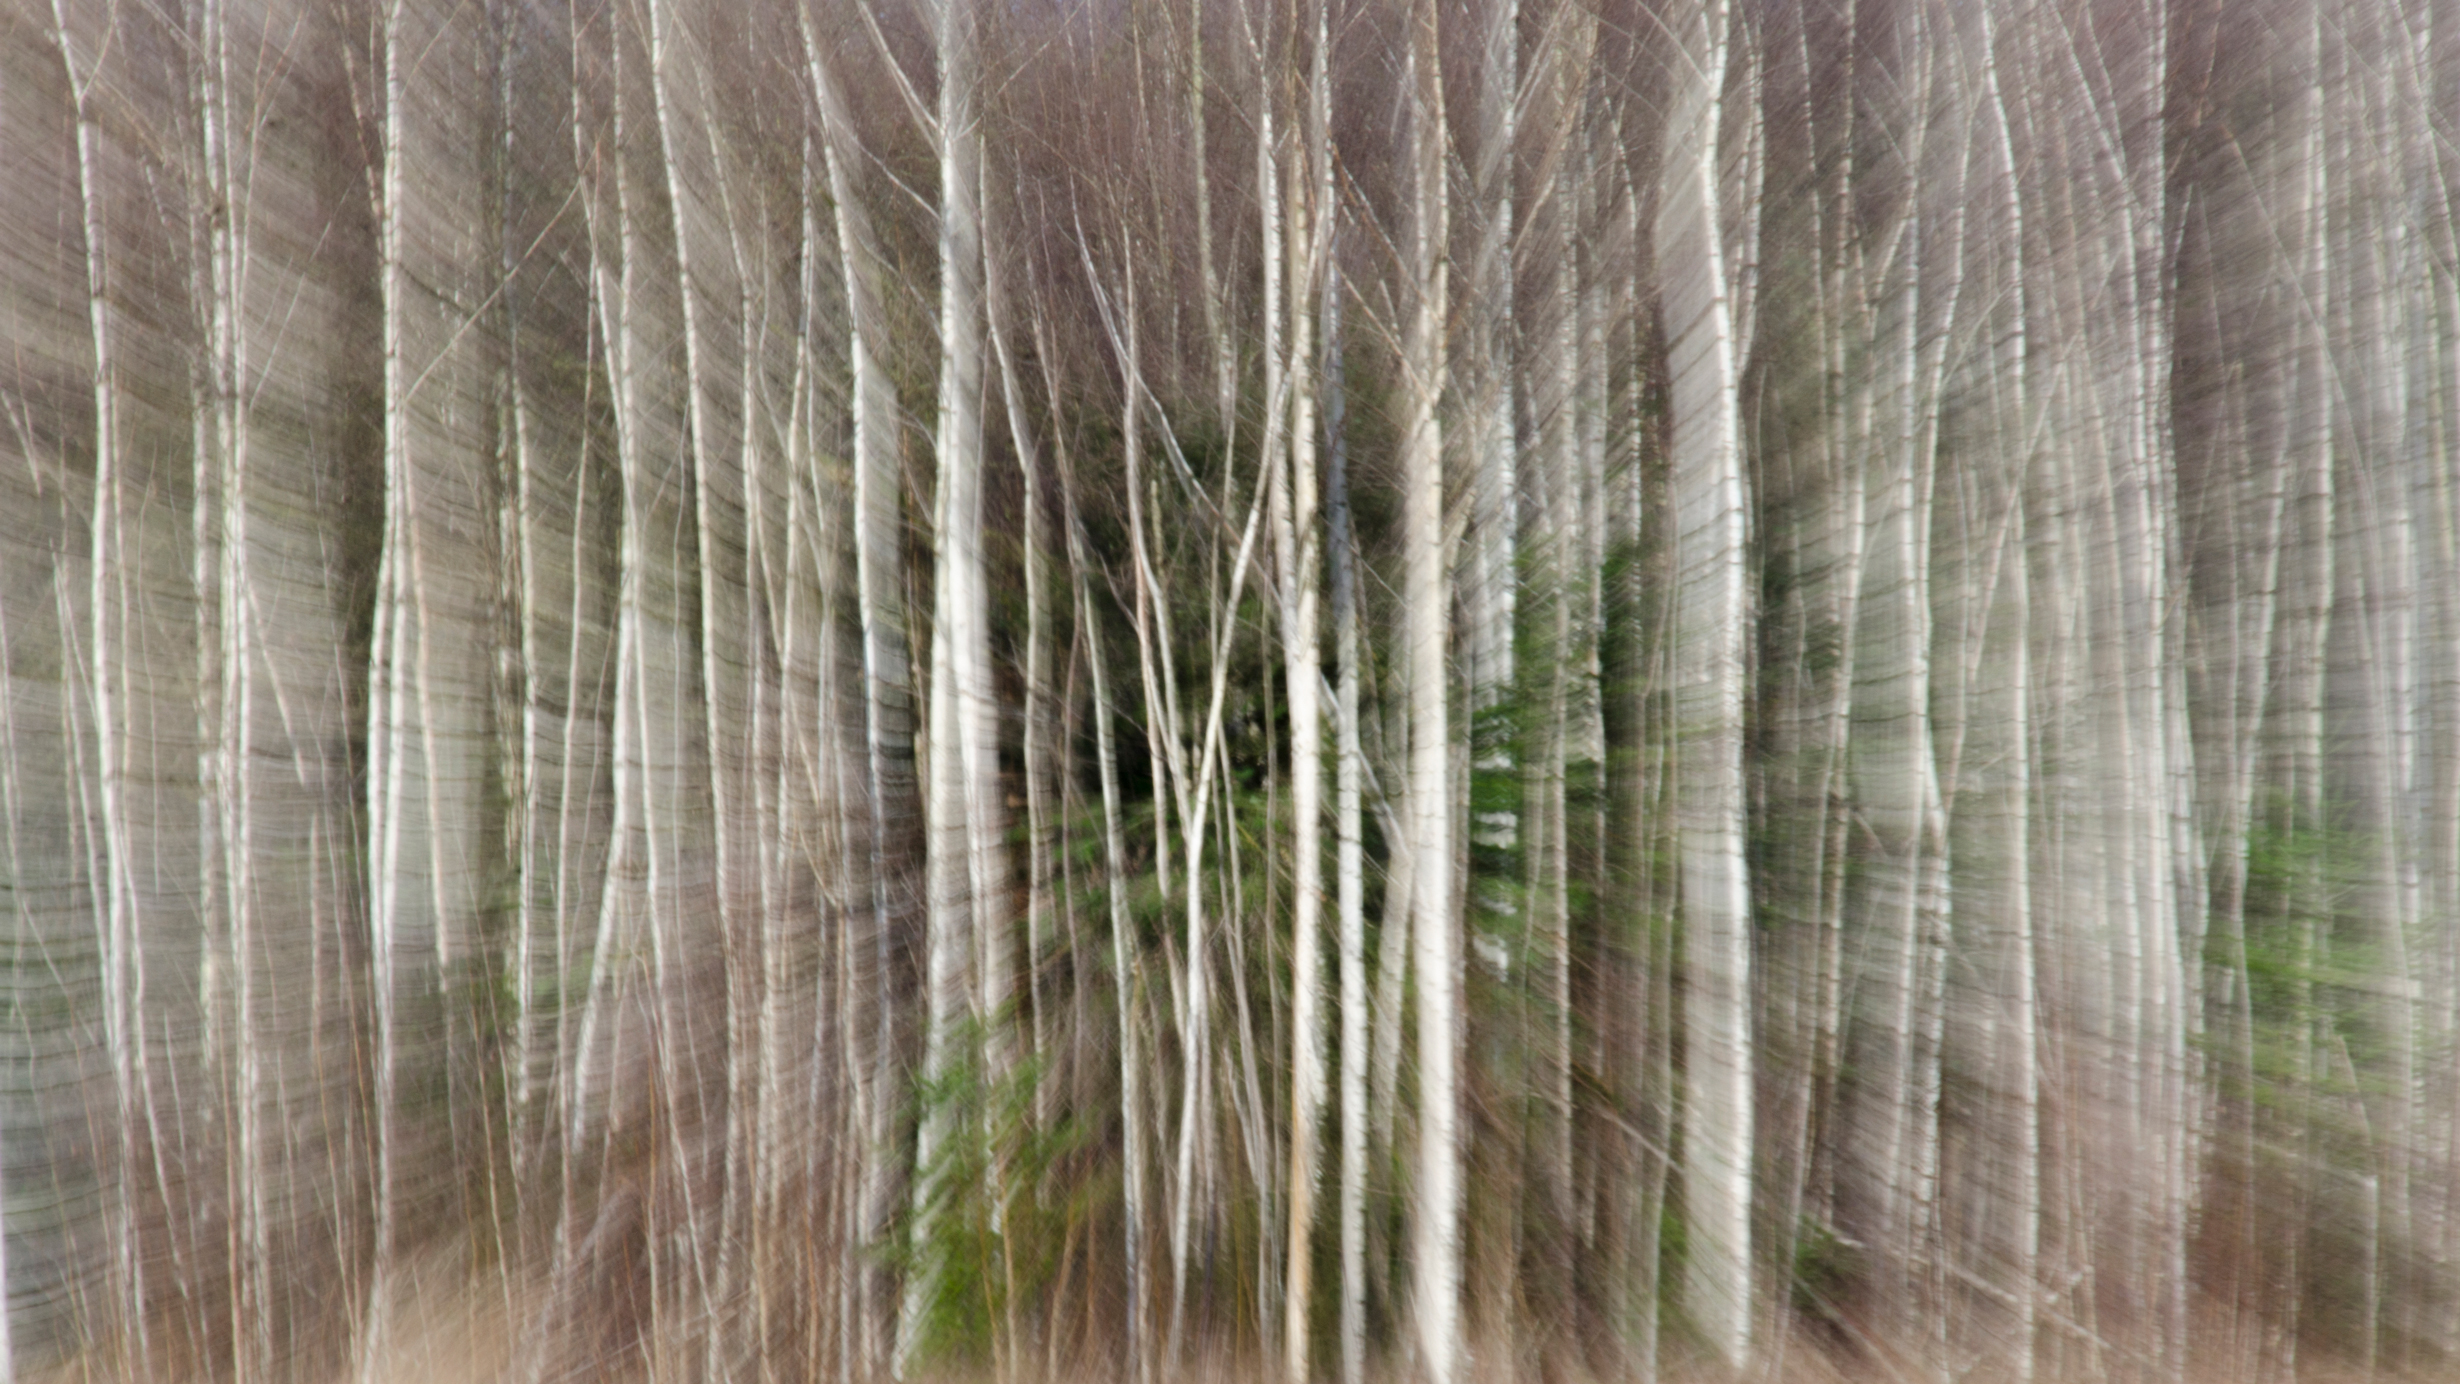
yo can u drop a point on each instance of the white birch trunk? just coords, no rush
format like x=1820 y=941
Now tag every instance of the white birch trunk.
x=109 y=651
x=2001 y=738
x=969 y=958
x=888 y=694
x=1435 y=1224
x=1713 y=615
x=1297 y=547
x=711 y=822
x=1349 y=865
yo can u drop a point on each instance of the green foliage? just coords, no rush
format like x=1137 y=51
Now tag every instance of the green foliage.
x=1825 y=1268
x=1001 y=1204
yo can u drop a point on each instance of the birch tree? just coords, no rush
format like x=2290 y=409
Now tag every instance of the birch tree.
x=969 y=966
x=888 y=694
x=1306 y=177
x=1713 y=613
x=1435 y=1234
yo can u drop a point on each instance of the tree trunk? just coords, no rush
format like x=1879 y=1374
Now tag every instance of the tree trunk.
x=888 y=825
x=1713 y=619
x=1297 y=547
x=969 y=957
x=1435 y=1233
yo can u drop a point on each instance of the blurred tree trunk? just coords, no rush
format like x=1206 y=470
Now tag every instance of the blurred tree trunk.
x=1912 y=199
x=1710 y=641
x=886 y=824
x=1304 y=166
x=1435 y=1234
x=969 y=960
x=109 y=653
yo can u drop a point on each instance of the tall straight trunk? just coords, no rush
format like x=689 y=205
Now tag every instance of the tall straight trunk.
x=1504 y=712
x=888 y=692
x=1897 y=782
x=656 y=312
x=1349 y=863
x=109 y=653
x=1658 y=1083
x=575 y=1030
x=1489 y=386
x=2119 y=848
x=1435 y=1234
x=1274 y=480
x=851 y=984
x=1601 y=247
x=252 y=382
x=1713 y=615
x=714 y=790
x=2376 y=701
x=277 y=785
x=1805 y=632
x=645 y=896
x=229 y=949
x=1561 y=554
x=2161 y=920
x=525 y=618
x=2308 y=615
x=804 y=788
x=388 y=781
x=1125 y=974
x=1825 y=62
x=2266 y=410
x=756 y=630
x=1630 y=1018
x=2237 y=354
x=959 y=446
x=429 y=802
x=2440 y=82
x=2000 y=743
x=205 y=572
x=1298 y=547
x=963 y=978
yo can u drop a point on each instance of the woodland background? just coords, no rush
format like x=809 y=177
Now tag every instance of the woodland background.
x=1433 y=689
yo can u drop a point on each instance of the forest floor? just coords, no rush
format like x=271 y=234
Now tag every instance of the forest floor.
x=451 y=1331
